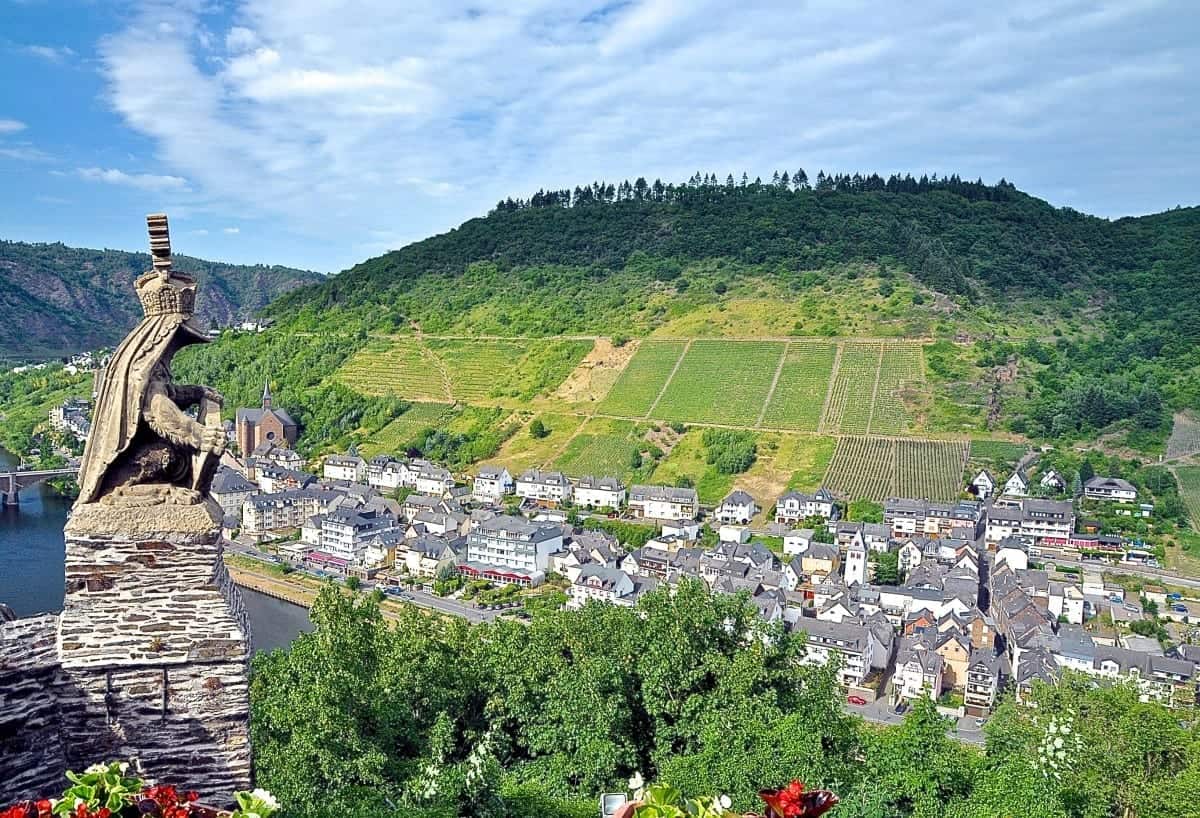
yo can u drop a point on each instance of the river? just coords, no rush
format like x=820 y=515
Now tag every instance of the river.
x=31 y=568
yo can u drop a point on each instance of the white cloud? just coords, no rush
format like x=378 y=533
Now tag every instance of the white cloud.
x=50 y=53
x=141 y=181
x=23 y=153
x=199 y=232
x=345 y=122
x=231 y=230
x=8 y=126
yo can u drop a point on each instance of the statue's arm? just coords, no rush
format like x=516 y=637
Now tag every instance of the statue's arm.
x=171 y=423
x=186 y=395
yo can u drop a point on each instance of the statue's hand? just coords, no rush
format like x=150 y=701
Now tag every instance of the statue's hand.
x=213 y=440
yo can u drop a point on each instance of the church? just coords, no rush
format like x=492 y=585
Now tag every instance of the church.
x=266 y=425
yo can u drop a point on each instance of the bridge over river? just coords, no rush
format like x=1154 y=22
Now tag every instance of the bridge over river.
x=12 y=482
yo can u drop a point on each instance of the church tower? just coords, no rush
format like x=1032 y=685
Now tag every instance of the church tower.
x=266 y=399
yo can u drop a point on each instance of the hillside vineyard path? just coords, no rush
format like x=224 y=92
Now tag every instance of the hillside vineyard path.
x=762 y=413
x=667 y=382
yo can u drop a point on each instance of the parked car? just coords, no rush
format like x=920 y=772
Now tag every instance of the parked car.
x=1132 y=608
x=1174 y=596
x=1179 y=609
x=900 y=708
x=979 y=722
x=857 y=701
x=1114 y=598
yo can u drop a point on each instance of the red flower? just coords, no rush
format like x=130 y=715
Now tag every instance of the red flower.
x=81 y=810
x=104 y=812
x=192 y=795
x=793 y=802
x=43 y=807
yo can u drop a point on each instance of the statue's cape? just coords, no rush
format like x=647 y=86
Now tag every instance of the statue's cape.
x=123 y=392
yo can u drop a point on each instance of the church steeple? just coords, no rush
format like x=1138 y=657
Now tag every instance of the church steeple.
x=266 y=399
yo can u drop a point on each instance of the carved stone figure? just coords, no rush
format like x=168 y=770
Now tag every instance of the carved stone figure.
x=144 y=448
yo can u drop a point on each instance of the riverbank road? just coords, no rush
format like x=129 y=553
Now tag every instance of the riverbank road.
x=303 y=593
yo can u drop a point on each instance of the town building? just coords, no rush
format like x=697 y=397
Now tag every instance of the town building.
x=548 y=489
x=264 y=425
x=492 y=484
x=599 y=492
x=854 y=643
x=346 y=531
x=663 y=502
x=231 y=490
x=906 y=517
x=738 y=508
x=511 y=550
x=349 y=467
x=794 y=506
x=984 y=484
x=1110 y=488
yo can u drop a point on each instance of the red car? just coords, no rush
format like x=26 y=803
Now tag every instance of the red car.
x=857 y=701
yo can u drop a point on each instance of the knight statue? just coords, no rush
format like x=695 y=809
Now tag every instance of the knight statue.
x=145 y=448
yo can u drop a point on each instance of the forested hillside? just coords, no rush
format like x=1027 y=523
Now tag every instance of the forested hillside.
x=57 y=300
x=1095 y=321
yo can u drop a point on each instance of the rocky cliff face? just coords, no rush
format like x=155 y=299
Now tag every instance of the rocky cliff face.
x=57 y=300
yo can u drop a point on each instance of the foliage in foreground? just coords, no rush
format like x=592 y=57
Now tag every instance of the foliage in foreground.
x=434 y=717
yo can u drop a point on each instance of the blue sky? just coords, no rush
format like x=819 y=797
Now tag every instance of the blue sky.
x=317 y=134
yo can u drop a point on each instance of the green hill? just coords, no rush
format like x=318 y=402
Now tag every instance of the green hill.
x=57 y=300
x=857 y=334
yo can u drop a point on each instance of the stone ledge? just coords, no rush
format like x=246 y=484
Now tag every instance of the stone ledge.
x=98 y=520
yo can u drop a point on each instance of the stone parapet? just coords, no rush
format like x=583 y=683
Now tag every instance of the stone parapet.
x=32 y=759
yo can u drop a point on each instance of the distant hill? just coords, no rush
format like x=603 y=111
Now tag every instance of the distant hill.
x=56 y=300
x=857 y=308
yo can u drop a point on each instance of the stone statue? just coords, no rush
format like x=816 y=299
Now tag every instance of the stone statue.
x=144 y=448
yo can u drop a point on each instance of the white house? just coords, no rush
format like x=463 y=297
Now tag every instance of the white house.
x=984 y=484
x=603 y=584
x=345 y=532
x=1109 y=488
x=1053 y=480
x=384 y=472
x=1013 y=552
x=1017 y=485
x=909 y=556
x=733 y=533
x=1066 y=601
x=737 y=508
x=663 y=502
x=794 y=506
x=491 y=484
x=854 y=643
x=599 y=492
x=431 y=479
x=348 y=467
x=919 y=671
x=544 y=488
x=797 y=541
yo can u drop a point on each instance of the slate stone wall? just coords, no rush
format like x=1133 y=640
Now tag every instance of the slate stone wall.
x=148 y=663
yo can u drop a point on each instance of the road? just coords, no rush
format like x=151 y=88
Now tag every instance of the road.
x=449 y=607
x=1160 y=574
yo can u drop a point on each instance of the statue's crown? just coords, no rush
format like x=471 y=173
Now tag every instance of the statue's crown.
x=163 y=291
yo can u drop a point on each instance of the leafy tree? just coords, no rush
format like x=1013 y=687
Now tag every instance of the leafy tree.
x=887 y=569
x=537 y=429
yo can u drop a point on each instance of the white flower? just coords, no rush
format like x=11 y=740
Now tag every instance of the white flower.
x=636 y=782
x=123 y=767
x=96 y=768
x=1058 y=743
x=1066 y=728
x=266 y=797
x=725 y=802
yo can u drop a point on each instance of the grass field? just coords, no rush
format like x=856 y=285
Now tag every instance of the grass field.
x=803 y=384
x=1001 y=451
x=394 y=437
x=598 y=455
x=687 y=460
x=473 y=371
x=642 y=379
x=524 y=451
x=786 y=461
x=1185 y=436
x=876 y=468
x=721 y=382
x=1189 y=490
x=900 y=369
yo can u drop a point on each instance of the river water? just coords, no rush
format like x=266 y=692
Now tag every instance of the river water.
x=32 y=577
